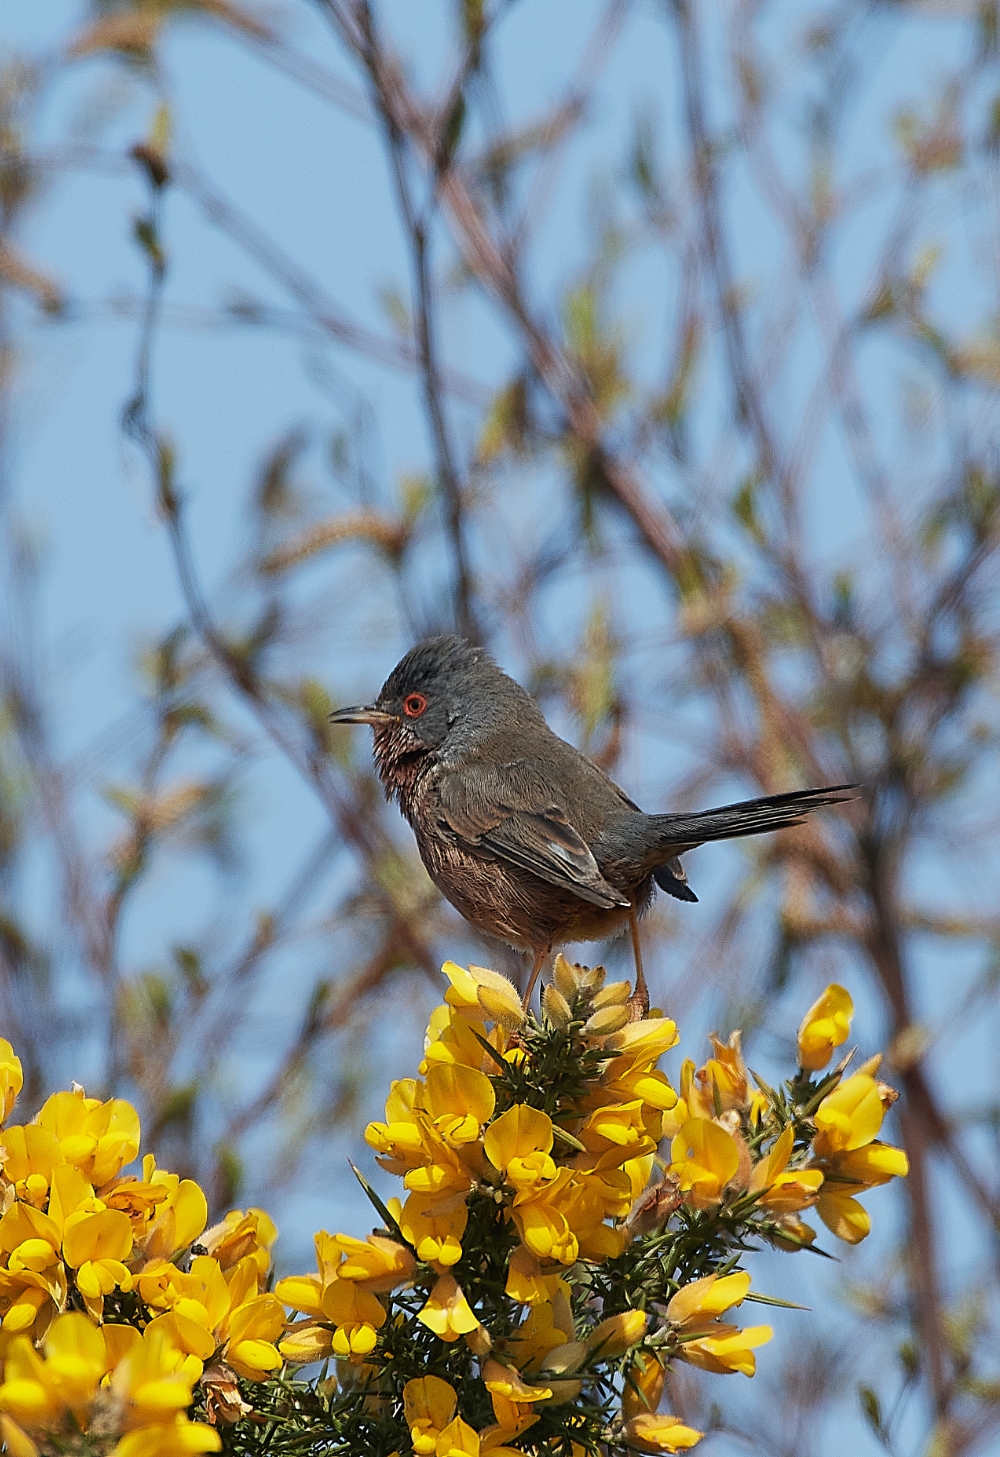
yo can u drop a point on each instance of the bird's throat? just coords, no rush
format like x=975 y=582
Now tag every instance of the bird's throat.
x=399 y=765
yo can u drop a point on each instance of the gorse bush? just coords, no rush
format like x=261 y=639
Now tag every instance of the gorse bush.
x=529 y=1292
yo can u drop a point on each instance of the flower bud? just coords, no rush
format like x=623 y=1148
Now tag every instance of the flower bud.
x=612 y=993
x=562 y=1391
x=564 y=977
x=507 y=1381
x=499 y=998
x=573 y=979
x=614 y=1335
x=566 y=1358
x=479 y=1341
x=306 y=1342
x=500 y=1009
x=607 y=1020
x=644 y=1389
x=791 y=1233
x=556 y=1007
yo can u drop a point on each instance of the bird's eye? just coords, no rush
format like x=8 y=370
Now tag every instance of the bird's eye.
x=414 y=705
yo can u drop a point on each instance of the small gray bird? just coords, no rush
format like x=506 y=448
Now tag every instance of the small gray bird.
x=526 y=837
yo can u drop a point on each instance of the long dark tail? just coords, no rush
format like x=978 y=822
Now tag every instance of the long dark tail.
x=748 y=817
x=679 y=833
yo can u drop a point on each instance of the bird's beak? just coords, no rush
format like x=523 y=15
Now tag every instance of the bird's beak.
x=361 y=714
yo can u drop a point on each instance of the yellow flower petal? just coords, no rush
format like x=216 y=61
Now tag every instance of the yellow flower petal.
x=524 y=1277
x=106 y=1235
x=649 y=1433
x=428 y=1406
x=507 y=1381
x=447 y=1312
x=849 y=1117
x=728 y=1352
x=612 y=1337
x=708 y=1297
x=516 y=1135
x=825 y=1026
x=704 y=1157
x=11 y=1078
x=301 y=1292
x=15 y=1439
x=644 y=1388
x=463 y=1091
x=457 y=1440
x=253 y=1359
x=843 y=1216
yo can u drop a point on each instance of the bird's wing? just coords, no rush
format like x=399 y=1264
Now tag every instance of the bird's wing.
x=508 y=810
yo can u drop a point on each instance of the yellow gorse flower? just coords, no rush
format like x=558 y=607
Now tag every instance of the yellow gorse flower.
x=527 y=1152
x=825 y=1026
x=166 y=1213
x=11 y=1078
x=547 y=1325
x=96 y=1138
x=344 y=1294
x=723 y=1079
x=849 y=1117
x=728 y=1351
x=30 y=1155
x=705 y=1341
x=647 y=1433
x=519 y=1145
x=846 y=1153
x=204 y=1312
x=782 y=1189
x=429 y=1405
x=39 y=1389
x=75 y=1224
x=242 y=1236
x=704 y=1157
x=88 y=1374
x=433 y=1226
x=707 y=1298
x=447 y=1312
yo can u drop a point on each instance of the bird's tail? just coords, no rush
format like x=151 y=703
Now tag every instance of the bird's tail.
x=680 y=832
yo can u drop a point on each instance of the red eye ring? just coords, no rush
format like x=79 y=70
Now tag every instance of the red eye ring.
x=414 y=705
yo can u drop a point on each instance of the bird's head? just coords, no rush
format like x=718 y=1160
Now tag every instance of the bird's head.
x=444 y=689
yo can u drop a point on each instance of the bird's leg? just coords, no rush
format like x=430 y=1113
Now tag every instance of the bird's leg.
x=539 y=959
x=639 y=1000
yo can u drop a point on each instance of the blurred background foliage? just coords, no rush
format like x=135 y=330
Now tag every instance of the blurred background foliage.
x=655 y=346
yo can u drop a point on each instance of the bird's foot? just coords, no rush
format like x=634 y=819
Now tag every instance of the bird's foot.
x=638 y=1002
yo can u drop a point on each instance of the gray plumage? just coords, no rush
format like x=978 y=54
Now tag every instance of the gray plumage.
x=525 y=836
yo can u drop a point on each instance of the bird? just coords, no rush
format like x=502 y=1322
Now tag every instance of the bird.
x=526 y=837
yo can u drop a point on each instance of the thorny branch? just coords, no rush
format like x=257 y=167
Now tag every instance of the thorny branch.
x=418 y=224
